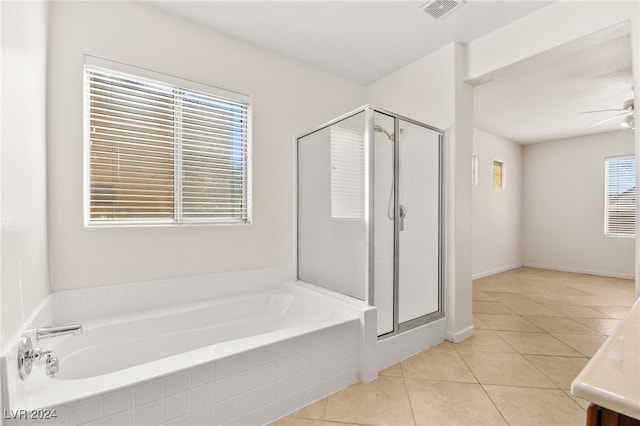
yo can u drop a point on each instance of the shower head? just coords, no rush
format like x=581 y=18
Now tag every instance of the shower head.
x=380 y=129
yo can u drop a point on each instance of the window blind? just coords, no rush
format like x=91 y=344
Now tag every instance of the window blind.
x=162 y=153
x=620 y=196
x=347 y=173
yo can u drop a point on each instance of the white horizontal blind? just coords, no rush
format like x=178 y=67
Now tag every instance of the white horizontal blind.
x=162 y=153
x=347 y=173
x=620 y=196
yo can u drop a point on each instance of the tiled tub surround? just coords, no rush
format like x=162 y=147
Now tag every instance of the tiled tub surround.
x=250 y=388
x=248 y=380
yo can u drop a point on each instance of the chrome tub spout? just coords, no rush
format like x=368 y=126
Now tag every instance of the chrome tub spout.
x=53 y=331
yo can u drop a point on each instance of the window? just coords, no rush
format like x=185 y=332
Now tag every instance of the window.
x=163 y=150
x=347 y=173
x=498 y=174
x=620 y=196
x=474 y=169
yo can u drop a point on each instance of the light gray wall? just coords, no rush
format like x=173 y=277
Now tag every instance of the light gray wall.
x=288 y=99
x=563 y=206
x=24 y=277
x=497 y=213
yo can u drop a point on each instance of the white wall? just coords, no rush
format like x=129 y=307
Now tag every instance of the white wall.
x=563 y=206
x=432 y=90
x=497 y=213
x=24 y=277
x=288 y=99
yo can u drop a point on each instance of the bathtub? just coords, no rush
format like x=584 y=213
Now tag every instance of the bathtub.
x=246 y=359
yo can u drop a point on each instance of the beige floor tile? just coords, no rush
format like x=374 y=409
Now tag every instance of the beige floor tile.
x=448 y=403
x=560 y=370
x=509 y=298
x=601 y=325
x=507 y=322
x=574 y=311
x=617 y=312
x=313 y=411
x=437 y=364
x=581 y=402
x=444 y=345
x=562 y=299
x=394 y=371
x=482 y=296
x=294 y=421
x=529 y=406
x=484 y=341
x=624 y=300
x=478 y=324
x=533 y=309
x=381 y=402
x=339 y=424
x=491 y=308
x=560 y=325
x=586 y=344
x=505 y=369
x=537 y=343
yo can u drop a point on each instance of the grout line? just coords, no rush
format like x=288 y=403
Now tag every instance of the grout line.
x=494 y=403
x=404 y=383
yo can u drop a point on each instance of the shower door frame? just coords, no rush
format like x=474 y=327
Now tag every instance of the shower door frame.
x=369 y=118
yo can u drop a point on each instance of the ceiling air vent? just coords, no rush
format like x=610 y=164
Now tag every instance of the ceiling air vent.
x=438 y=9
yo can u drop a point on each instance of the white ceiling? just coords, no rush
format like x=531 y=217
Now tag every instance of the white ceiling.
x=538 y=99
x=543 y=98
x=360 y=40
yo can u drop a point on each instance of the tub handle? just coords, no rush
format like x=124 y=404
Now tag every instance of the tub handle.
x=27 y=355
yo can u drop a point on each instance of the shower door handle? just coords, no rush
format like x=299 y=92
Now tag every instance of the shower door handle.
x=403 y=214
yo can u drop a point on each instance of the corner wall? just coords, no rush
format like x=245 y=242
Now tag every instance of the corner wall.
x=497 y=213
x=24 y=275
x=563 y=206
x=432 y=90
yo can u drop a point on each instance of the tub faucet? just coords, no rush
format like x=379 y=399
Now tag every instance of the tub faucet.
x=53 y=331
x=28 y=355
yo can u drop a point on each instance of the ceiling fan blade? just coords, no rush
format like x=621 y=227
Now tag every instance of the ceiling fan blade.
x=613 y=117
x=605 y=110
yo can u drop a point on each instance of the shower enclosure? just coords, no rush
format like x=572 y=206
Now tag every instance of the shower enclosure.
x=370 y=214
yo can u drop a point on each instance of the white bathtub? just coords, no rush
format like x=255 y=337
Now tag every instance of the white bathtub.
x=266 y=352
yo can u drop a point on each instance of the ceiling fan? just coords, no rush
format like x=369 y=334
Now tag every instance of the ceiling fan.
x=626 y=111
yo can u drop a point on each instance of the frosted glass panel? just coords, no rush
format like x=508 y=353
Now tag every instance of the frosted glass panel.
x=332 y=232
x=419 y=244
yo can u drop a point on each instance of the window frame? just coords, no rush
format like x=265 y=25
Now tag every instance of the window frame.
x=180 y=84
x=607 y=229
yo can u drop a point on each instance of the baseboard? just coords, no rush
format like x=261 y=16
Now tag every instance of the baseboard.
x=461 y=335
x=578 y=271
x=496 y=271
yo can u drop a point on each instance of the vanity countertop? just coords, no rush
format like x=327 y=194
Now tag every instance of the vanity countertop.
x=611 y=379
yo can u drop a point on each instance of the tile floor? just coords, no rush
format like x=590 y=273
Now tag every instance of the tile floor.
x=535 y=330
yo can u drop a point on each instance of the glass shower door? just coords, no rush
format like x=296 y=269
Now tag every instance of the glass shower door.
x=418 y=210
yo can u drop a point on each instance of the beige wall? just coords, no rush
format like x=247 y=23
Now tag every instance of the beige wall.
x=497 y=213
x=23 y=217
x=563 y=206
x=288 y=99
